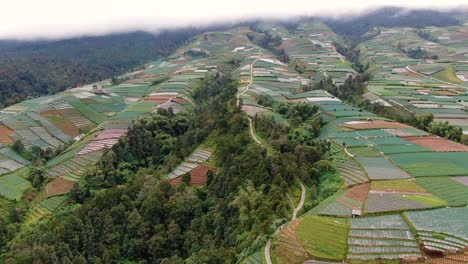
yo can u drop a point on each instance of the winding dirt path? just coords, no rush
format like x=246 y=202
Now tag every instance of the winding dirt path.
x=252 y=133
x=294 y=216
x=301 y=202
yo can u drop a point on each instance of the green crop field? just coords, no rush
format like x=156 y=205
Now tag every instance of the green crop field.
x=397 y=185
x=455 y=193
x=448 y=221
x=12 y=186
x=364 y=152
x=447 y=75
x=430 y=200
x=433 y=163
x=324 y=237
x=395 y=149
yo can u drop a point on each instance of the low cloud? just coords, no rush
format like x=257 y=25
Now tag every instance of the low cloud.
x=49 y=19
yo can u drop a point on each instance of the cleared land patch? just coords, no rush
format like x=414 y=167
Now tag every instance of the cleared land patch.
x=58 y=186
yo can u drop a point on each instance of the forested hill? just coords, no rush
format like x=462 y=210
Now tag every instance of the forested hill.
x=29 y=69
x=355 y=27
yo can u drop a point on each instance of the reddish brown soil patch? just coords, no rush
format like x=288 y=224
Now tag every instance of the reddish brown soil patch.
x=289 y=249
x=437 y=143
x=59 y=186
x=197 y=176
x=68 y=128
x=374 y=124
x=5 y=134
x=88 y=100
x=30 y=196
x=358 y=192
x=412 y=74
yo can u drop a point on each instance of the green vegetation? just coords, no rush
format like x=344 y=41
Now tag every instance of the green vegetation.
x=364 y=152
x=455 y=193
x=431 y=200
x=13 y=186
x=448 y=75
x=45 y=67
x=152 y=219
x=324 y=237
x=397 y=185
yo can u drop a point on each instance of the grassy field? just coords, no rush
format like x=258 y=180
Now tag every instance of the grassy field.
x=397 y=185
x=364 y=152
x=426 y=199
x=324 y=237
x=448 y=75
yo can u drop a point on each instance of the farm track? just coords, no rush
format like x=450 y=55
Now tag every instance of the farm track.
x=252 y=133
x=294 y=216
x=434 y=79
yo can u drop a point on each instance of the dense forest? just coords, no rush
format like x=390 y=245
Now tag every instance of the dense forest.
x=35 y=68
x=357 y=26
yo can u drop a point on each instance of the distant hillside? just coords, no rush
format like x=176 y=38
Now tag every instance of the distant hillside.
x=355 y=27
x=46 y=67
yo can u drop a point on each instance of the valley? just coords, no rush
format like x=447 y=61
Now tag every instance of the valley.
x=342 y=183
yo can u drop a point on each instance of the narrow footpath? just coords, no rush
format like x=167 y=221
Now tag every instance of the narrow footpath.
x=294 y=216
x=252 y=133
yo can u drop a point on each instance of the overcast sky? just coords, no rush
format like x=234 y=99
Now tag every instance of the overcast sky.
x=65 y=18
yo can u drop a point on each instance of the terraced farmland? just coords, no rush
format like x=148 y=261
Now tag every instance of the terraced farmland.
x=194 y=167
x=455 y=193
x=433 y=163
x=105 y=139
x=44 y=208
x=349 y=168
x=288 y=248
x=75 y=166
x=344 y=203
x=13 y=186
x=387 y=237
x=441 y=229
x=324 y=238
